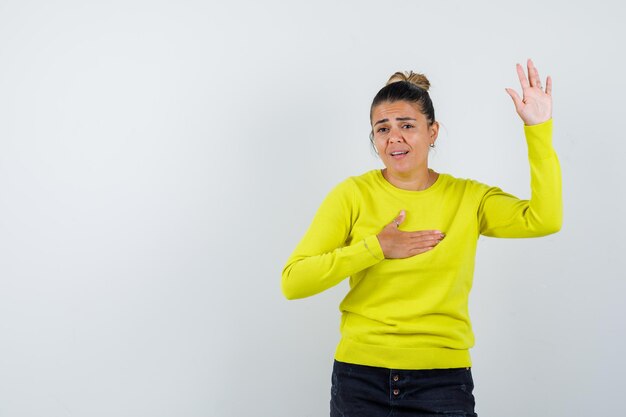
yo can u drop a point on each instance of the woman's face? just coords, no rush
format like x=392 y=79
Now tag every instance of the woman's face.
x=402 y=137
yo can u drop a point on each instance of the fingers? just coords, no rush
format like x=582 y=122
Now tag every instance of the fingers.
x=516 y=99
x=424 y=240
x=549 y=86
x=533 y=74
x=533 y=79
x=426 y=235
x=522 y=76
x=425 y=243
x=397 y=244
x=398 y=220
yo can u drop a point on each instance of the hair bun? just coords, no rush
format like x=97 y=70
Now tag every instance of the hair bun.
x=418 y=80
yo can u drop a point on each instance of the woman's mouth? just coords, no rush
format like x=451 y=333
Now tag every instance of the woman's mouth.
x=398 y=154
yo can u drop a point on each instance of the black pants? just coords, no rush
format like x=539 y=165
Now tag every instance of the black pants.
x=367 y=391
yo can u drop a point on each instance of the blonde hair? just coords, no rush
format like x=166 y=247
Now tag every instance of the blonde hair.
x=418 y=80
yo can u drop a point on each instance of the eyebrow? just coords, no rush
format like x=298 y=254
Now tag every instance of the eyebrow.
x=401 y=119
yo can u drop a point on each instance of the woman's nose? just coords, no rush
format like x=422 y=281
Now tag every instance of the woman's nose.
x=395 y=136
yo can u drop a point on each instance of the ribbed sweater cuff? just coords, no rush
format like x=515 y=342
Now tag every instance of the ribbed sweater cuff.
x=373 y=246
x=539 y=140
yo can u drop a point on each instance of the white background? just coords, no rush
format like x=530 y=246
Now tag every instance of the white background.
x=159 y=161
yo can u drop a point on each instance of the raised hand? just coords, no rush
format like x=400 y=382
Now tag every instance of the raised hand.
x=397 y=244
x=535 y=106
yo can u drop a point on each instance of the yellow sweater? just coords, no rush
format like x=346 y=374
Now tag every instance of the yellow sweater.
x=413 y=313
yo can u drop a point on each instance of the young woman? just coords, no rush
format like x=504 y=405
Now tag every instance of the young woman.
x=405 y=327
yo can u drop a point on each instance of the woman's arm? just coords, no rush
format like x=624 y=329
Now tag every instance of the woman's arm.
x=503 y=215
x=322 y=260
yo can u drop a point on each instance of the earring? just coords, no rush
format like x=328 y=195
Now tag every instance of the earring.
x=432 y=145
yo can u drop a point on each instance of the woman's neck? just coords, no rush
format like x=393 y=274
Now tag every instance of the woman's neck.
x=418 y=181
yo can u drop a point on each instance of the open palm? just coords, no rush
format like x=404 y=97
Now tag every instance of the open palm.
x=535 y=106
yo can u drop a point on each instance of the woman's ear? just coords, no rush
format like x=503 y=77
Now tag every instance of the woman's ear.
x=434 y=132
x=373 y=143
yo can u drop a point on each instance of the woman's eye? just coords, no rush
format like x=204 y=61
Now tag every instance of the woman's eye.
x=382 y=130
x=407 y=126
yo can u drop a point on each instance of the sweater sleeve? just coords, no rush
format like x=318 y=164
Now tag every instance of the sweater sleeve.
x=503 y=215
x=322 y=259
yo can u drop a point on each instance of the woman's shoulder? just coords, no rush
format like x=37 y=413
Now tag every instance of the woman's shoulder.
x=356 y=181
x=354 y=185
x=468 y=184
x=368 y=177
